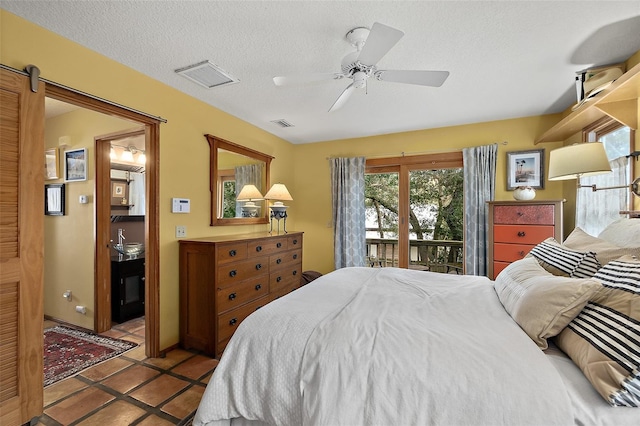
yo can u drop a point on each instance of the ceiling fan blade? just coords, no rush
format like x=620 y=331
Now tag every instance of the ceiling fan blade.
x=422 y=78
x=306 y=78
x=342 y=99
x=380 y=40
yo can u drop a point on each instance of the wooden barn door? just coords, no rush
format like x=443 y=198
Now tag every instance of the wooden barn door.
x=21 y=248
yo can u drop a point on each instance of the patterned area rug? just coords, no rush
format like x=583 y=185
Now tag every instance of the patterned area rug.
x=68 y=351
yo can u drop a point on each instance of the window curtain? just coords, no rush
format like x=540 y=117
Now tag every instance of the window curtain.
x=136 y=193
x=250 y=174
x=479 y=187
x=347 y=194
x=596 y=210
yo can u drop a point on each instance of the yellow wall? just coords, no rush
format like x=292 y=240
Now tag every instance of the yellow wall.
x=312 y=190
x=69 y=251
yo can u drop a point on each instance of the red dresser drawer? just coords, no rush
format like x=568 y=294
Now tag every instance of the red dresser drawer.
x=510 y=252
x=522 y=234
x=542 y=214
x=498 y=267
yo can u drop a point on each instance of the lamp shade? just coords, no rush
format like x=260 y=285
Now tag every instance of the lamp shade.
x=584 y=159
x=278 y=192
x=248 y=193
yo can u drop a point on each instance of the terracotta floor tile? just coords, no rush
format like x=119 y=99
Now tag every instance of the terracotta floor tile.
x=61 y=389
x=185 y=403
x=49 y=324
x=130 y=325
x=171 y=359
x=128 y=379
x=117 y=413
x=196 y=367
x=105 y=369
x=116 y=334
x=159 y=390
x=137 y=353
x=80 y=404
x=207 y=378
x=134 y=338
x=154 y=420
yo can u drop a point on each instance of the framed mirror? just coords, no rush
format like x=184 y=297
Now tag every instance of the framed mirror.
x=232 y=168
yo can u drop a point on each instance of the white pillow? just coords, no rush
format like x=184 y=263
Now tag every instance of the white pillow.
x=605 y=250
x=623 y=233
x=541 y=303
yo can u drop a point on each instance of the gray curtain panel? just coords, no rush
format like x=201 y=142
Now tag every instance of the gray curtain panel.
x=479 y=187
x=250 y=174
x=347 y=192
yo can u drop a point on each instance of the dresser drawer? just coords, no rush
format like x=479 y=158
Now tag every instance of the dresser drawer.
x=231 y=252
x=277 y=261
x=288 y=288
x=522 y=234
x=240 y=271
x=238 y=294
x=285 y=276
x=295 y=241
x=538 y=214
x=267 y=246
x=498 y=267
x=510 y=252
x=228 y=322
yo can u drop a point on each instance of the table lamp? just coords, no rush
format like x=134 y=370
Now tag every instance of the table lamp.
x=249 y=193
x=278 y=193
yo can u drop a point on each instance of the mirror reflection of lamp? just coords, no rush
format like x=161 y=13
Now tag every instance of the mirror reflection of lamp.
x=250 y=193
x=278 y=193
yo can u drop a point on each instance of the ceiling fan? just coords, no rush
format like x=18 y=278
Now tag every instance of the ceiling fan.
x=371 y=46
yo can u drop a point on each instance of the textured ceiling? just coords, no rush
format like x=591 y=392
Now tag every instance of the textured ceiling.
x=507 y=59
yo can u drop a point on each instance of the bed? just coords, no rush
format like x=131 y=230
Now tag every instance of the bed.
x=369 y=346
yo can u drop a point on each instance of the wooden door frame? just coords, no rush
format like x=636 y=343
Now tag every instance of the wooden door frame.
x=152 y=217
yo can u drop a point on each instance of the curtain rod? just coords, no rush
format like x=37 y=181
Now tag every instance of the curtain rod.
x=404 y=154
x=89 y=95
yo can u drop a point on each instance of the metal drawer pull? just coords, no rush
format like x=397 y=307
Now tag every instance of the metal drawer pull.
x=279 y=261
x=295 y=241
x=258 y=248
x=295 y=272
x=521 y=234
x=233 y=321
x=278 y=279
x=232 y=253
x=233 y=273
x=521 y=253
x=258 y=287
x=520 y=214
x=258 y=266
x=279 y=245
x=232 y=296
x=295 y=256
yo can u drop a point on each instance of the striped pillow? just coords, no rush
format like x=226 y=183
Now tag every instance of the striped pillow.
x=604 y=339
x=561 y=260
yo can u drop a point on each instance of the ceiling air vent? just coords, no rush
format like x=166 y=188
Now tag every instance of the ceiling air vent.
x=207 y=74
x=282 y=123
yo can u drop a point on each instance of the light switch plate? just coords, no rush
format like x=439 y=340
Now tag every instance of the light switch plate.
x=181 y=231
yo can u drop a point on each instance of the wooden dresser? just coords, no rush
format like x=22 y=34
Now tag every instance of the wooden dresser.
x=224 y=279
x=515 y=227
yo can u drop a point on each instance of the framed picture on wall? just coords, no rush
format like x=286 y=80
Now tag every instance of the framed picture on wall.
x=54 y=199
x=118 y=190
x=525 y=168
x=75 y=165
x=51 y=161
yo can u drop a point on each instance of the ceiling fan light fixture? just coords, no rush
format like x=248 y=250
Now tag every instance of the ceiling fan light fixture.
x=207 y=74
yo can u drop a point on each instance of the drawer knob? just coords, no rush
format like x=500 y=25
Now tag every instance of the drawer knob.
x=258 y=266
x=279 y=245
x=295 y=256
x=232 y=253
x=233 y=321
x=232 y=296
x=521 y=253
x=258 y=287
x=278 y=279
x=295 y=241
x=232 y=273
x=520 y=214
x=295 y=272
x=521 y=234
x=258 y=248
x=279 y=261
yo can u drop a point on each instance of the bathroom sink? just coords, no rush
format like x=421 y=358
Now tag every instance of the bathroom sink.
x=130 y=249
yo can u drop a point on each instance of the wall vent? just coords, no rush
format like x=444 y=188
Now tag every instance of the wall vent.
x=282 y=123
x=207 y=75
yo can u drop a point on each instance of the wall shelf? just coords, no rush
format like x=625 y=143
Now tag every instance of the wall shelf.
x=619 y=101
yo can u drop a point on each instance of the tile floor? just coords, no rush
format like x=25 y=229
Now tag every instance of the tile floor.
x=130 y=389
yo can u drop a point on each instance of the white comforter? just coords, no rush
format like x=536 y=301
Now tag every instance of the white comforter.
x=365 y=346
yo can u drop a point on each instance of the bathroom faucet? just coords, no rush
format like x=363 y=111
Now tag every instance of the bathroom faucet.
x=121 y=236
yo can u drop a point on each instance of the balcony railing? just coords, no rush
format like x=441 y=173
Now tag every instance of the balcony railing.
x=428 y=255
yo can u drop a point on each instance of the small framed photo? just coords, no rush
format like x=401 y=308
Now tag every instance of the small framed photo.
x=525 y=168
x=51 y=162
x=118 y=190
x=54 y=199
x=75 y=165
